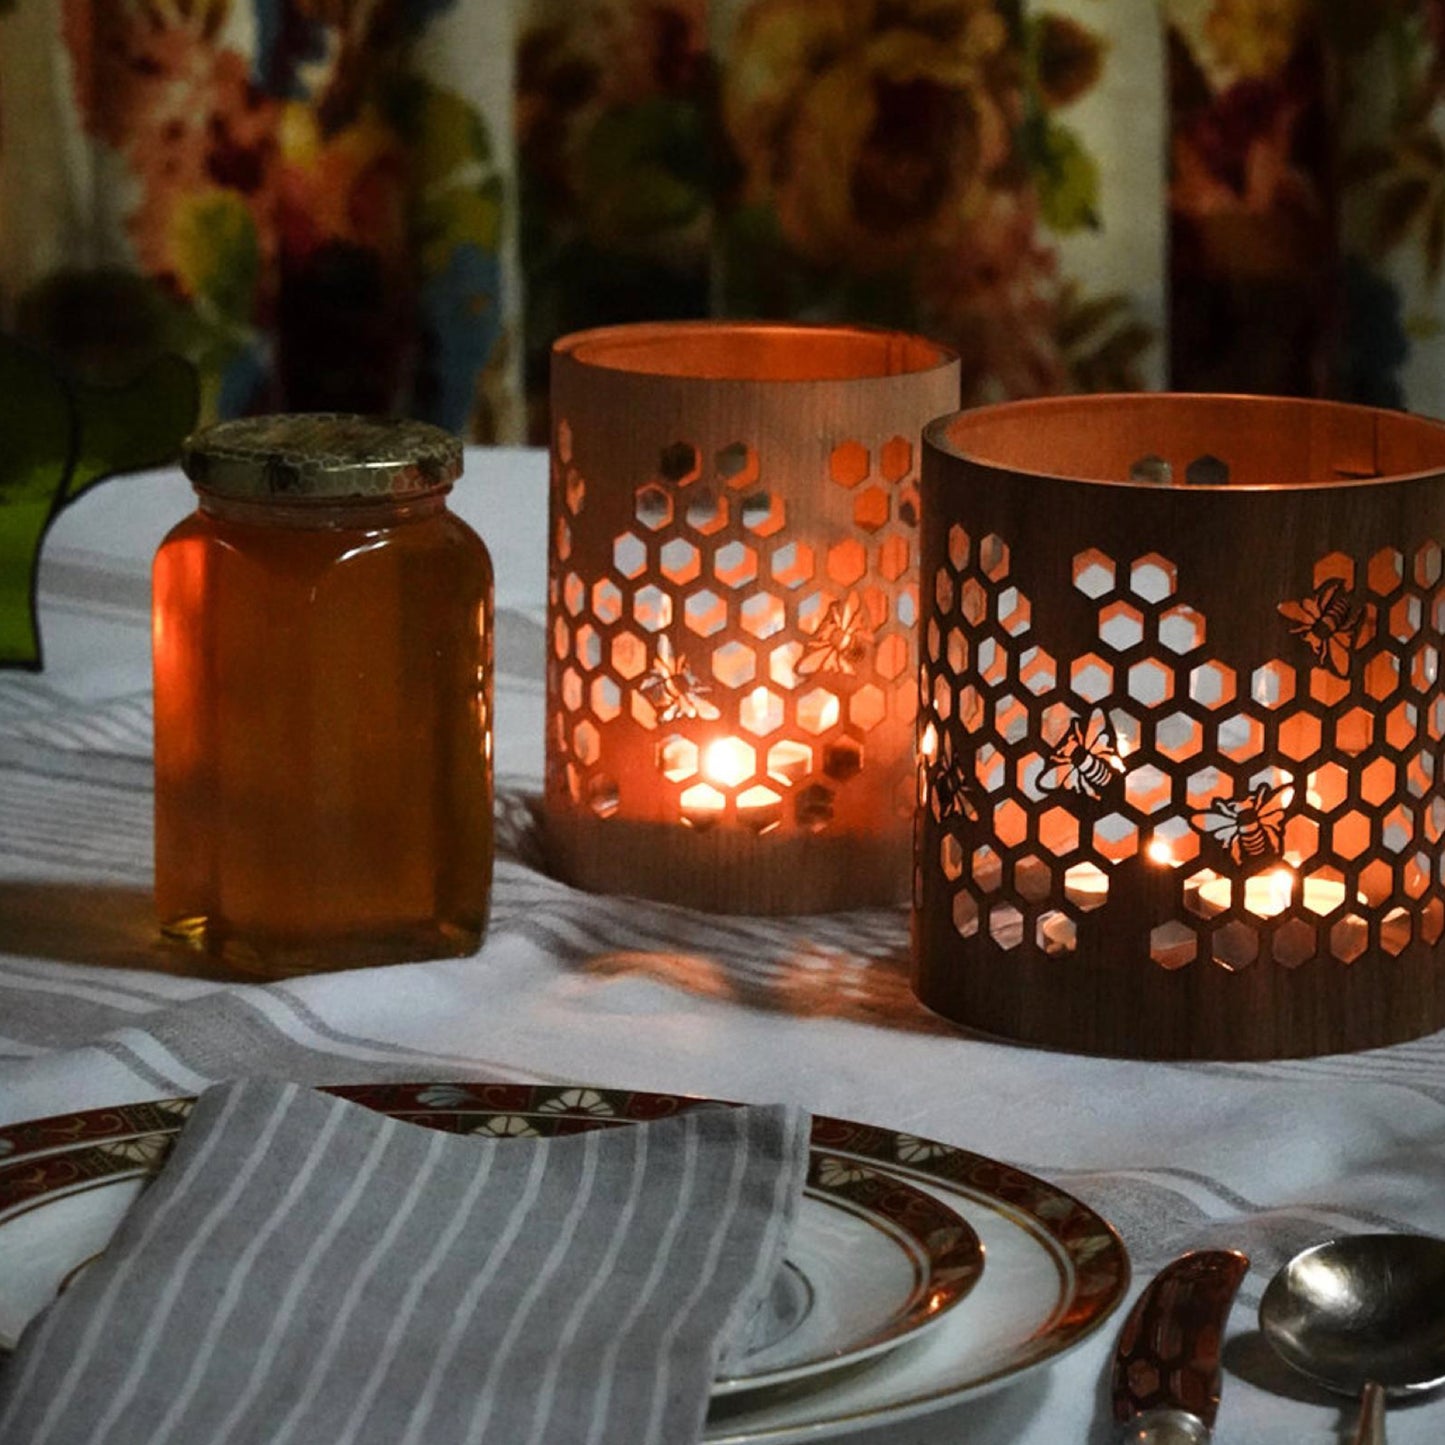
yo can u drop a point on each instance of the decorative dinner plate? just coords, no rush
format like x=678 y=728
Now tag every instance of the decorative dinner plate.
x=872 y=1259
x=1056 y=1270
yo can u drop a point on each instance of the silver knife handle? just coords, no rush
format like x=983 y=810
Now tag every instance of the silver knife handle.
x=1167 y=1427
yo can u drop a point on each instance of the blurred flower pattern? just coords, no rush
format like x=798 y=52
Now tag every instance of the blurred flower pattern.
x=288 y=199
x=400 y=204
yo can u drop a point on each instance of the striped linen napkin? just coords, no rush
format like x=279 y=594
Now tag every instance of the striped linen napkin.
x=304 y=1271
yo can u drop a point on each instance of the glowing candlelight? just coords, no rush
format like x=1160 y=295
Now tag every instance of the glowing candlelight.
x=1268 y=894
x=727 y=761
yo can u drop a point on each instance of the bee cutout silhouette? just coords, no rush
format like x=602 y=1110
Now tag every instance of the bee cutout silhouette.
x=840 y=641
x=1084 y=761
x=1331 y=628
x=673 y=689
x=1250 y=828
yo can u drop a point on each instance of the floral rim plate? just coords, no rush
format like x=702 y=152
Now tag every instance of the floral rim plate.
x=1056 y=1270
x=873 y=1259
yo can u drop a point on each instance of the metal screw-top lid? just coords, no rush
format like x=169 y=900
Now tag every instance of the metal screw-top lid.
x=321 y=456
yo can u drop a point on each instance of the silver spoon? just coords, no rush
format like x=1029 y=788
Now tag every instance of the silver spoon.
x=1364 y=1315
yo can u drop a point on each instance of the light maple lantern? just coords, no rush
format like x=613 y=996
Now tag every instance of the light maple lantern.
x=732 y=611
x=1181 y=725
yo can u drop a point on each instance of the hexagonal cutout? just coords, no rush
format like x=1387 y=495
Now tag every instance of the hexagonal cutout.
x=789 y=761
x=1239 y=737
x=1058 y=831
x=1235 y=945
x=574 y=594
x=606 y=600
x=792 y=564
x=847 y=561
x=587 y=648
x=563 y=539
x=1150 y=682
x=894 y=558
x=1086 y=886
x=986 y=869
x=1013 y=611
x=737 y=464
x=734 y=665
x=1173 y=944
x=629 y=555
x=1121 y=626
x=760 y=712
x=574 y=493
x=1299 y=736
x=973 y=601
x=606 y=698
x=734 y=564
x=1178 y=736
x=602 y=795
x=848 y=464
x=867 y=707
x=960 y=547
x=1152 y=468
x=707 y=512
x=1385 y=572
x=1146 y=789
x=564 y=440
x=705 y=612
x=629 y=655
x=764 y=513
x=817 y=710
x=1181 y=628
x=1091 y=678
x=895 y=459
x=993 y=557
x=870 y=509
x=679 y=463
x=654 y=506
x=1055 y=934
x=1038 y=671
x=1349 y=938
x=1153 y=577
x=763 y=614
x=652 y=608
x=1207 y=471
x=677 y=758
x=965 y=914
x=843 y=759
x=681 y=561
x=1093 y=573
x=1212 y=684
x=1272 y=684
x=891 y=657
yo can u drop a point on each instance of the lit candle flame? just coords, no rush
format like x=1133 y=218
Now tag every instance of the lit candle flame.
x=727 y=762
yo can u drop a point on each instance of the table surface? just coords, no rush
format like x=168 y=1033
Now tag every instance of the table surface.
x=1265 y=1157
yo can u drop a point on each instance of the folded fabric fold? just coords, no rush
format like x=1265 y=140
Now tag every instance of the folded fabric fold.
x=307 y=1272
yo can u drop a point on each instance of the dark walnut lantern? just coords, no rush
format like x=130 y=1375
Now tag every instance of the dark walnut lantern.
x=1181 y=723
x=732 y=611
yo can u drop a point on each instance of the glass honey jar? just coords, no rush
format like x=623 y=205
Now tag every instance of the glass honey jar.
x=323 y=699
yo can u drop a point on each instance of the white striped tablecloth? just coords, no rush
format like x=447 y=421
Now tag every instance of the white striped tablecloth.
x=1265 y=1157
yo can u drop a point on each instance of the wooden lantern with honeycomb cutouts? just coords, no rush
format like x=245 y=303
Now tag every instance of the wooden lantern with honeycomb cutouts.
x=1181 y=725
x=732 y=611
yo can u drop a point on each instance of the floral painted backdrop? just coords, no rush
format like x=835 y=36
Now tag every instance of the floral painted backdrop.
x=307 y=198
x=400 y=203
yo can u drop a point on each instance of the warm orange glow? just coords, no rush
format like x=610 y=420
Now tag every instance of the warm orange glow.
x=759 y=709
x=727 y=762
x=928 y=744
x=1268 y=894
x=1159 y=851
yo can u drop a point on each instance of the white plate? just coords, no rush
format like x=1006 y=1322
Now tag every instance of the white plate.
x=873 y=1260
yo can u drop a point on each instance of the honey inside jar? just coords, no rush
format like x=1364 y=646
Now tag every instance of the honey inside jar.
x=323 y=732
